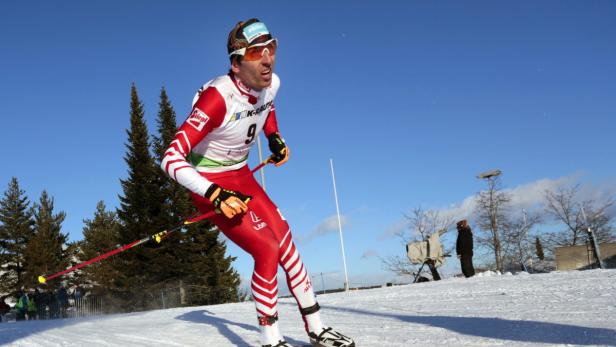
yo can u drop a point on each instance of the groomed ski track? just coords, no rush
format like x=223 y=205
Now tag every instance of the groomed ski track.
x=555 y=309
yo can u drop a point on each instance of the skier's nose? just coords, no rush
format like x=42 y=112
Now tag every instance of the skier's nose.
x=266 y=59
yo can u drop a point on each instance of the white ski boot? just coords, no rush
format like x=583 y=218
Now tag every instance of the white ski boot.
x=328 y=337
x=270 y=333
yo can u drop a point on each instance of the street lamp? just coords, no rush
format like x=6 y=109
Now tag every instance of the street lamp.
x=489 y=174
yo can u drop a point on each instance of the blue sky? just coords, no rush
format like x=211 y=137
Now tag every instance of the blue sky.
x=411 y=100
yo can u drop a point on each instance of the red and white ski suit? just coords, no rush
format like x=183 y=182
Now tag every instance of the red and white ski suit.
x=212 y=146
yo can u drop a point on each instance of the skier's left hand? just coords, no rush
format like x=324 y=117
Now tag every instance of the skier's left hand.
x=227 y=202
x=279 y=149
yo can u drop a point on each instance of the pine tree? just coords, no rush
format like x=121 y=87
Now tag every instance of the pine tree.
x=171 y=259
x=47 y=250
x=216 y=268
x=141 y=205
x=539 y=249
x=15 y=232
x=166 y=125
x=178 y=205
x=198 y=253
x=101 y=234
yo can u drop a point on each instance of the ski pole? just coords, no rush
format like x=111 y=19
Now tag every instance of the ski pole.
x=158 y=237
x=270 y=159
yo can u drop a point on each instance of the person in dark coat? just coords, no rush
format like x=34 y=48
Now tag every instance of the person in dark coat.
x=4 y=308
x=31 y=309
x=464 y=248
x=40 y=297
x=62 y=298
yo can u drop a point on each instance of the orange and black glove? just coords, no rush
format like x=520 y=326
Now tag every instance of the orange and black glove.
x=228 y=202
x=279 y=149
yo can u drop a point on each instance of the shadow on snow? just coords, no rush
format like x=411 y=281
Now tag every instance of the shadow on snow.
x=503 y=329
x=222 y=324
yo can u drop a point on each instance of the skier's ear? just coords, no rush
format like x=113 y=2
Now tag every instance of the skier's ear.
x=235 y=65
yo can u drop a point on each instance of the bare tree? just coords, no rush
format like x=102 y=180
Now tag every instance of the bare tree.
x=422 y=224
x=599 y=221
x=565 y=207
x=518 y=243
x=491 y=217
x=560 y=205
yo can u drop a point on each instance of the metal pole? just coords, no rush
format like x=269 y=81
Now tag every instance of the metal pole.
x=499 y=260
x=322 y=284
x=523 y=237
x=260 y=161
x=346 y=276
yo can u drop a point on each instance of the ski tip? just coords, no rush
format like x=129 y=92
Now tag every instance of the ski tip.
x=42 y=280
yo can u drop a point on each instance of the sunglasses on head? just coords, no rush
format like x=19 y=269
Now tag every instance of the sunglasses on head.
x=256 y=51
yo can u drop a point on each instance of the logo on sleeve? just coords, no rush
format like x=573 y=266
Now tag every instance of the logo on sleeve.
x=308 y=285
x=198 y=119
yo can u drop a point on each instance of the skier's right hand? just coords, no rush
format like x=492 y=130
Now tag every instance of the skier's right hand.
x=228 y=202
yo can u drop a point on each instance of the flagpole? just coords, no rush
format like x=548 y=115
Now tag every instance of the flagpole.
x=260 y=161
x=346 y=276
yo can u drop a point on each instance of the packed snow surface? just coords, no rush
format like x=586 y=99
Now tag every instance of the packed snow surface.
x=555 y=309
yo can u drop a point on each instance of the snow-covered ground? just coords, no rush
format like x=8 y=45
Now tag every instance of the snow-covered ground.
x=560 y=308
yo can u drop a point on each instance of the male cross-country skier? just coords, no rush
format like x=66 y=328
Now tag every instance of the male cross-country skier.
x=209 y=157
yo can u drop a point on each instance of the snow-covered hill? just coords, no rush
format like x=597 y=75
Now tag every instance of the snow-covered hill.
x=561 y=308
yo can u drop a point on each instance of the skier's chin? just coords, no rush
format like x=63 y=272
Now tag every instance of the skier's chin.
x=265 y=83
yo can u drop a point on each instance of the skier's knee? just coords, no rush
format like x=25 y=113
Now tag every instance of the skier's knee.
x=267 y=251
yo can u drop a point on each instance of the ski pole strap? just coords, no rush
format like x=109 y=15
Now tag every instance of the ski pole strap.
x=310 y=309
x=268 y=320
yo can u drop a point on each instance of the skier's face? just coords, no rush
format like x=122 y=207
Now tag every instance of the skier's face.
x=255 y=74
